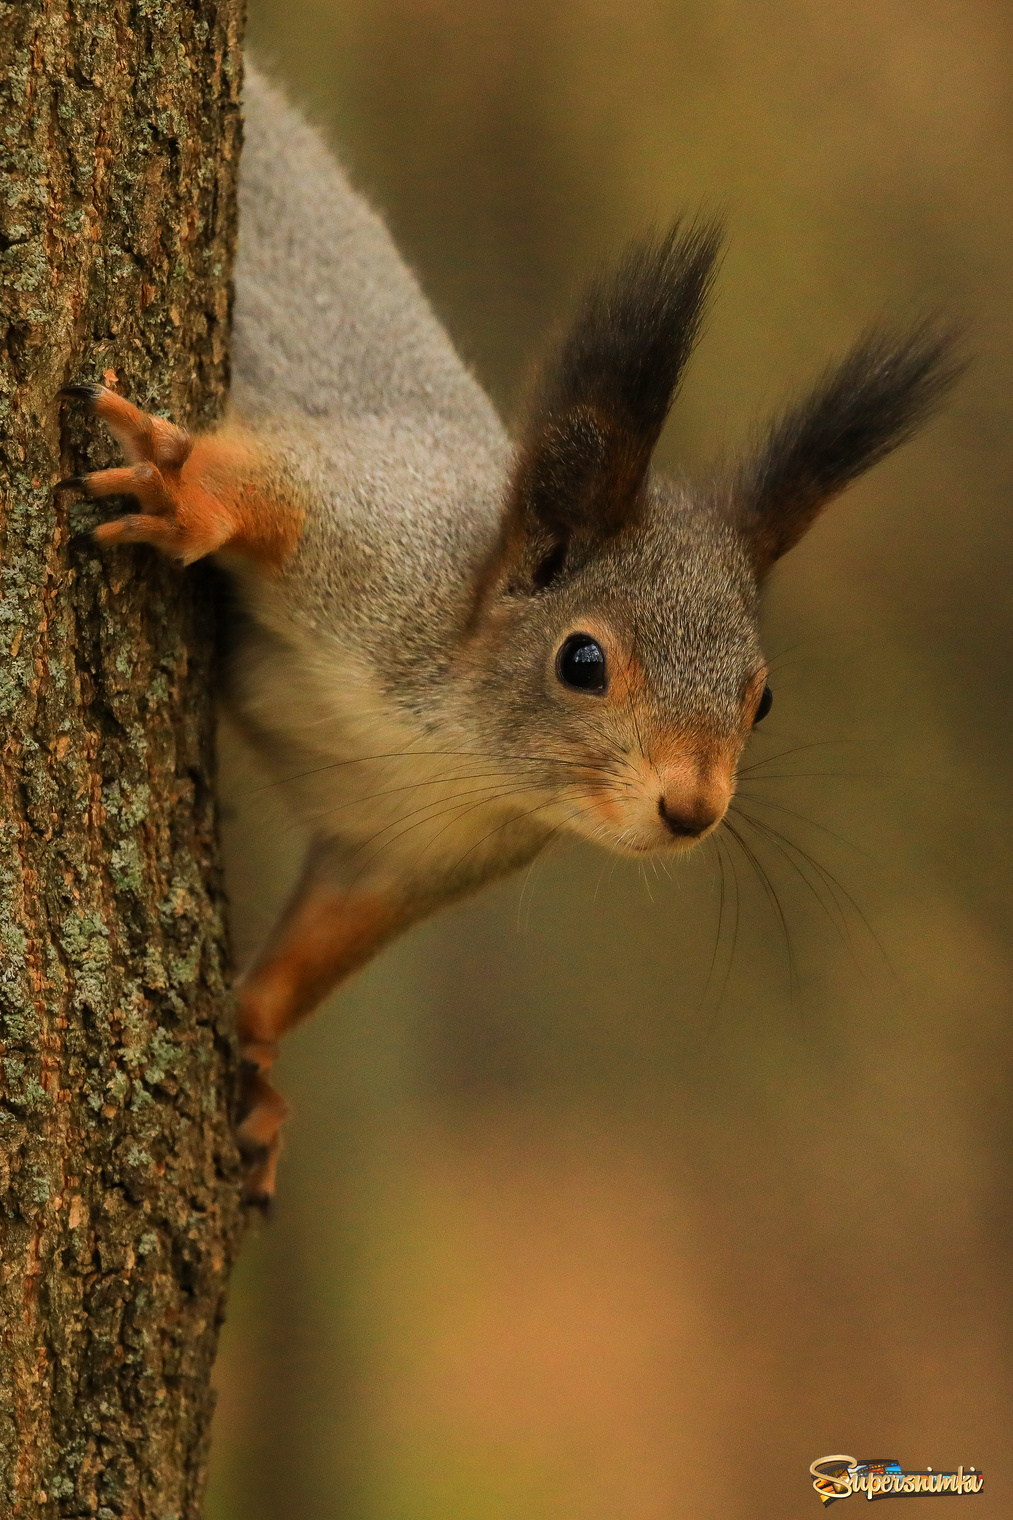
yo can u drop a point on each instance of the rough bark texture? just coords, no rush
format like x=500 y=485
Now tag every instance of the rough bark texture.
x=119 y=125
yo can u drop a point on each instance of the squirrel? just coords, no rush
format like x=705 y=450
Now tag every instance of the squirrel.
x=455 y=646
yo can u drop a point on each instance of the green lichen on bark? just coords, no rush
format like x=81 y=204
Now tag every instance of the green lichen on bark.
x=119 y=1214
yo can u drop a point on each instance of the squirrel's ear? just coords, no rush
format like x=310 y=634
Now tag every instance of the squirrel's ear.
x=601 y=405
x=875 y=399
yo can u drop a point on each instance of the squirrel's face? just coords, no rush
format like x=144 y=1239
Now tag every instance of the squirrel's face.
x=628 y=686
x=647 y=770
x=614 y=632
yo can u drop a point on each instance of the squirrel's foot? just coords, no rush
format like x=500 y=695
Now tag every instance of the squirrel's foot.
x=168 y=471
x=258 y=1132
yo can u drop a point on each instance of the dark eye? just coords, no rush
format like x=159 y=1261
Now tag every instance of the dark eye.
x=764 y=705
x=580 y=663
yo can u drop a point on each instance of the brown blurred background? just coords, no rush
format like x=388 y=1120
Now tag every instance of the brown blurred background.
x=600 y=1202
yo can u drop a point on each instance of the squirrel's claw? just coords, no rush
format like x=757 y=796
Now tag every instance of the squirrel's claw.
x=89 y=392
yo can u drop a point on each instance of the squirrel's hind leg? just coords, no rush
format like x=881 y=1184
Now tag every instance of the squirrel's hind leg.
x=325 y=933
x=220 y=491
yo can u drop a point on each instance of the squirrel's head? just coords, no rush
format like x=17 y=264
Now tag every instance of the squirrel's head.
x=616 y=625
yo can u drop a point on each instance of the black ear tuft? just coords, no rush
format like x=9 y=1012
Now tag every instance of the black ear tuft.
x=875 y=399
x=602 y=405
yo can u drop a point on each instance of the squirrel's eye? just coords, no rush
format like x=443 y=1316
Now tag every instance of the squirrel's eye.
x=764 y=705
x=580 y=663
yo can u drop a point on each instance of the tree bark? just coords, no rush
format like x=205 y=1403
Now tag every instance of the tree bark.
x=119 y=1211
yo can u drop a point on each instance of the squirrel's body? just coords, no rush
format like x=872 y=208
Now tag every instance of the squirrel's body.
x=452 y=647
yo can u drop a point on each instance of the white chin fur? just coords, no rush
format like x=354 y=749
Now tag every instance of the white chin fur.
x=632 y=841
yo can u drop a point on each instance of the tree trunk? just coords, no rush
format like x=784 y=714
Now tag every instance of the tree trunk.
x=119 y=1206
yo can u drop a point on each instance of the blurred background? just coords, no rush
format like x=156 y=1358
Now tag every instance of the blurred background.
x=610 y=1196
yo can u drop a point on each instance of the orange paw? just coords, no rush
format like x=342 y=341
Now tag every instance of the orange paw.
x=197 y=495
x=177 y=515
x=262 y=1111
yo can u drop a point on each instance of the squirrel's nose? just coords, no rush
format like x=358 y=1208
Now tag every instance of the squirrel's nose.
x=688 y=820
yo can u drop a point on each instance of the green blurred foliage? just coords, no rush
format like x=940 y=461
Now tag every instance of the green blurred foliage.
x=610 y=1196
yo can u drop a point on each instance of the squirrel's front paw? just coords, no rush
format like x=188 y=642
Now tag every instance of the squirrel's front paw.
x=258 y=1133
x=179 y=515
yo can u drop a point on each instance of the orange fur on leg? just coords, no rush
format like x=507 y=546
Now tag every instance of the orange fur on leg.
x=323 y=936
x=220 y=491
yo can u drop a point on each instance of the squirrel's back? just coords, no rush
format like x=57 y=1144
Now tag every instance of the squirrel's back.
x=329 y=321
x=337 y=351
